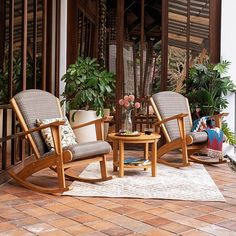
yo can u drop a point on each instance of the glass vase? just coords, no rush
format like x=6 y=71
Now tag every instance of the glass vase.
x=128 y=126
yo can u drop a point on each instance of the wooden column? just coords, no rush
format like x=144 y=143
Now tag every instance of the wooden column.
x=90 y=39
x=44 y=45
x=82 y=34
x=35 y=44
x=72 y=21
x=164 y=45
x=135 y=73
x=4 y=144
x=24 y=43
x=57 y=47
x=95 y=49
x=10 y=52
x=13 y=141
x=49 y=80
x=119 y=61
x=141 y=50
x=215 y=26
x=2 y=30
x=188 y=38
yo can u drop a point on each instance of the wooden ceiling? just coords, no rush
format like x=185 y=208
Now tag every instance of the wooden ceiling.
x=177 y=21
x=198 y=29
x=152 y=18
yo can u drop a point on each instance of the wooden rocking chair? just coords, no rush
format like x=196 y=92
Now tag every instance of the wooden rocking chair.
x=174 y=117
x=35 y=104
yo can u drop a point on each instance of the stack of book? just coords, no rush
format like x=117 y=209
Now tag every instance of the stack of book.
x=136 y=162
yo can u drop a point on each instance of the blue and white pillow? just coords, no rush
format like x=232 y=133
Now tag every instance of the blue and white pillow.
x=200 y=124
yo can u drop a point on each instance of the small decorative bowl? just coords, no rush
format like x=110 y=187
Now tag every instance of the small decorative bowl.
x=148 y=131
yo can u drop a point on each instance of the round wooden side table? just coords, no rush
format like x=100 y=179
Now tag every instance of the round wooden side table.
x=118 y=150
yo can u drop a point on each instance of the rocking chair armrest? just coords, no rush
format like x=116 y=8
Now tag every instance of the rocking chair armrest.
x=218 y=118
x=54 y=123
x=181 y=115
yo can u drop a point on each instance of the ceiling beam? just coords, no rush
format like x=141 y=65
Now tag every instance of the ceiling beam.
x=130 y=5
x=192 y=33
x=30 y=16
x=199 y=3
x=194 y=19
x=182 y=38
x=152 y=12
x=134 y=24
x=192 y=12
x=182 y=45
x=151 y=26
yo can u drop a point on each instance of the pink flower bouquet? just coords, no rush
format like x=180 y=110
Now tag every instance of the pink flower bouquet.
x=128 y=102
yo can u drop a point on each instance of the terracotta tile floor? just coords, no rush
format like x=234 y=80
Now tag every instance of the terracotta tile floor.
x=23 y=212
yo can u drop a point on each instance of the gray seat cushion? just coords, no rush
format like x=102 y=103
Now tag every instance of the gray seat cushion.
x=199 y=137
x=89 y=149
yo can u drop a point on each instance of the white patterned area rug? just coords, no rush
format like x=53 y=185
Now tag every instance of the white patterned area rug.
x=191 y=183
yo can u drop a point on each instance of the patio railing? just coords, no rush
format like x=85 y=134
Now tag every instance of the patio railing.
x=13 y=147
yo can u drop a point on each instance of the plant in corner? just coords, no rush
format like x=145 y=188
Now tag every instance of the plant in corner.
x=88 y=86
x=206 y=87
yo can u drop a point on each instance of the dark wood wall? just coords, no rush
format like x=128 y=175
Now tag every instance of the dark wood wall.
x=25 y=63
x=210 y=11
x=88 y=9
x=215 y=30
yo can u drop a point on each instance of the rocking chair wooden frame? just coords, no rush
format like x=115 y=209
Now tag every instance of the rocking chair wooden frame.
x=185 y=141
x=59 y=161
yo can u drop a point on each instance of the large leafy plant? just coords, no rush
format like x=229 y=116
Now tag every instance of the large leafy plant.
x=88 y=86
x=207 y=85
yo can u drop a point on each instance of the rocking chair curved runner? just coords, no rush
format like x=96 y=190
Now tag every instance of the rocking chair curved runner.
x=174 y=117
x=30 y=105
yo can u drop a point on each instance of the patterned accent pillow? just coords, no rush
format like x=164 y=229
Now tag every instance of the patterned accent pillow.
x=200 y=124
x=67 y=135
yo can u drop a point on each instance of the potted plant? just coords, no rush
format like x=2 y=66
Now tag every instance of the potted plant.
x=206 y=87
x=88 y=88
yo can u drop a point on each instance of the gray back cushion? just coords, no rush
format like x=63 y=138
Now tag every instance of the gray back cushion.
x=169 y=104
x=37 y=104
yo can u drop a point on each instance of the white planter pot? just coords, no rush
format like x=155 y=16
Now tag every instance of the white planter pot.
x=88 y=133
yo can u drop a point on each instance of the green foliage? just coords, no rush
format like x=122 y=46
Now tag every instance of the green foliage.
x=17 y=76
x=230 y=137
x=206 y=85
x=88 y=86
